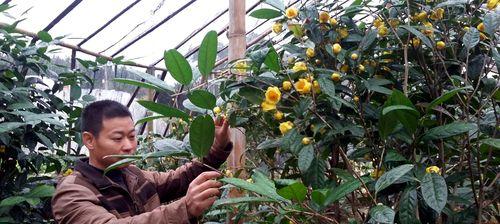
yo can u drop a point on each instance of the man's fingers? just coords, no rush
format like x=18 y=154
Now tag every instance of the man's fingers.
x=208 y=202
x=205 y=176
x=206 y=185
x=211 y=192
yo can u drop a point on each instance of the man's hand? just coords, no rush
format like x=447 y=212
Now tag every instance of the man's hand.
x=202 y=193
x=221 y=132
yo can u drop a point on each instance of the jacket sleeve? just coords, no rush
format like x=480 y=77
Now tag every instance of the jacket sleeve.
x=73 y=203
x=174 y=184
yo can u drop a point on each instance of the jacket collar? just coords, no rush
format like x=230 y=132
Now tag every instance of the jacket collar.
x=93 y=174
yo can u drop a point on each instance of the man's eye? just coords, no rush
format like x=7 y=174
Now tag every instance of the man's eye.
x=116 y=139
x=132 y=137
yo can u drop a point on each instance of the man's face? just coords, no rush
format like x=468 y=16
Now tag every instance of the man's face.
x=117 y=137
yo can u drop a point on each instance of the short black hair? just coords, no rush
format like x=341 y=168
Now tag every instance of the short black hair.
x=94 y=113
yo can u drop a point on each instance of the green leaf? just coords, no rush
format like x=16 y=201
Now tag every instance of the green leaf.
x=491 y=22
x=272 y=60
x=471 y=38
x=409 y=120
x=326 y=86
x=119 y=164
x=296 y=29
x=386 y=126
x=278 y=4
x=456 y=3
x=434 y=191
x=155 y=154
x=9 y=126
x=391 y=176
x=178 y=66
x=315 y=176
x=296 y=192
x=420 y=36
x=148 y=119
x=46 y=141
x=265 y=14
x=207 y=53
x=388 y=109
x=342 y=190
x=75 y=92
x=376 y=85
x=408 y=206
x=201 y=135
x=44 y=36
x=137 y=83
x=253 y=95
x=11 y=201
x=381 y=214
x=153 y=80
x=42 y=191
x=446 y=96
x=163 y=109
x=448 y=130
x=368 y=40
x=101 y=60
x=203 y=99
x=306 y=156
x=262 y=186
x=493 y=142
x=231 y=201
x=270 y=143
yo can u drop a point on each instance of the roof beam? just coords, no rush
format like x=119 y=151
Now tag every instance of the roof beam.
x=59 y=18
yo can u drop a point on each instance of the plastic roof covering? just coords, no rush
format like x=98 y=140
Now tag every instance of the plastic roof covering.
x=90 y=15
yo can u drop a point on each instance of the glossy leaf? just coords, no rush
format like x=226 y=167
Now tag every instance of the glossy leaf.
x=42 y=191
x=382 y=214
x=201 y=135
x=408 y=206
x=296 y=192
x=207 y=53
x=120 y=163
x=493 y=142
x=342 y=190
x=239 y=200
x=163 y=109
x=448 y=130
x=44 y=36
x=421 y=36
x=272 y=60
x=178 y=67
x=388 y=109
x=262 y=186
x=11 y=201
x=491 y=22
x=306 y=156
x=153 y=80
x=392 y=176
x=446 y=96
x=265 y=13
x=434 y=191
x=471 y=38
x=9 y=126
x=202 y=99
x=137 y=83
x=148 y=119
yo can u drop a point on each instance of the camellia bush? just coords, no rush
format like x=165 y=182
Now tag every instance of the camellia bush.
x=377 y=113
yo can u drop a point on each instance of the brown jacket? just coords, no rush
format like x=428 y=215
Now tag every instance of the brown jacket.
x=87 y=196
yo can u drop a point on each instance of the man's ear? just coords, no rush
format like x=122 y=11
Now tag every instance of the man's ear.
x=88 y=140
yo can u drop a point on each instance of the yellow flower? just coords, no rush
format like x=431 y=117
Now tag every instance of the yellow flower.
x=287 y=85
x=466 y=28
x=266 y=106
x=303 y=86
x=343 y=33
x=324 y=17
x=393 y=22
x=492 y=4
x=440 y=45
x=310 y=77
x=316 y=87
x=290 y=60
x=336 y=48
x=415 y=42
x=250 y=180
x=354 y=56
x=438 y=14
x=378 y=23
x=2 y=148
x=285 y=127
x=480 y=27
x=273 y=94
x=361 y=68
x=377 y=173
x=482 y=36
x=355 y=99
x=228 y=173
x=299 y=66
x=306 y=141
x=421 y=16
x=217 y=110
x=333 y=22
x=429 y=29
x=291 y=12
x=336 y=76
x=68 y=172
x=310 y=52
x=278 y=115
x=277 y=27
x=382 y=31
x=433 y=169
x=344 y=68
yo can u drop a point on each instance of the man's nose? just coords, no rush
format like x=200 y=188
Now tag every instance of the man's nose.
x=129 y=144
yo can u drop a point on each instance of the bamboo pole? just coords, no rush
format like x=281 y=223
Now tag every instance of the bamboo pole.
x=237 y=49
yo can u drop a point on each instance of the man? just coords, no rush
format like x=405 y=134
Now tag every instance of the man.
x=129 y=194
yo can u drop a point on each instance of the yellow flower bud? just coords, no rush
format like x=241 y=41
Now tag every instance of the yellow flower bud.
x=303 y=86
x=343 y=32
x=316 y=87
x=217 y=110
x=433 y=169
x=480 y=27
x=492 y=4
x=377 y=173
x=310 y=52
x=250 y=180
x=287 y=85
x=344 y=68
x=68 y=172
x=355 y=99
x=278 y=115
x=336 y=76
x=336 y=48
x=378 y=23
x=415 y=42
x=333 y=22
x=382 y=31
x=285 y=127
x=440 y=45
x=267 y=106
x=324 y=17
x=306 y=141
x=393 y=22
x=291 y=12
x=277 y=27
x=299 y=66
x=361 y=68
x=354 y=56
